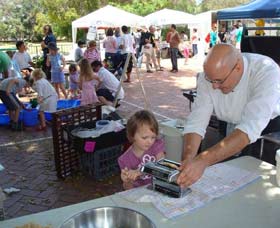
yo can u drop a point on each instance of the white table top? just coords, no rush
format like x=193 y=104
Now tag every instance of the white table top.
x=256 y=205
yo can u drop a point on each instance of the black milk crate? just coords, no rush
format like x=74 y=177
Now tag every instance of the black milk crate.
x=67 y=161
x=101 y=163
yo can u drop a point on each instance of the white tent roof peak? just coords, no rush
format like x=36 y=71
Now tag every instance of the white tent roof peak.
x=169 y=16
x=107 y=16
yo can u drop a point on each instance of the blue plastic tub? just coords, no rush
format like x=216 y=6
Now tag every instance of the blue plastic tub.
x=48 y=116
x=30 y=117
x=63 y=104
x=3 y=108
x=4 y=119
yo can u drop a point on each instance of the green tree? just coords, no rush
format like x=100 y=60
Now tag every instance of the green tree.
x=61 y=13
x=217 y=4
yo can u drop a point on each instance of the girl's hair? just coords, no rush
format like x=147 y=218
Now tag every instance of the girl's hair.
x=73 y=66
x=137 y=120
x=38 y=74
x=109 y=32
x=92 y=43
x=86 y=72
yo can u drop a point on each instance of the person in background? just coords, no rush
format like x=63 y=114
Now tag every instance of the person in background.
x=239 y=33
x=110 y=45
x=49 y=37
x=109 y=84
x=9 y=87
x=158 y=48
x=222 y=34
x=91 y=53
x=194 y=40
x=241 y=89
x=46 y=96
x=5 y=62
x=233 y=35
x=127 y=46
x=174 y=45
x=87 y=83
x=57 y=63
x=213 y=36
x=74 y=80
x=14 y=70
x=118 y=55
x=142 y=131
x=149 y=49
x=79 y=53
x=23 y=59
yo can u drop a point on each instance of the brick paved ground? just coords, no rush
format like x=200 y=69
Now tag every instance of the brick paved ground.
x=28 y=156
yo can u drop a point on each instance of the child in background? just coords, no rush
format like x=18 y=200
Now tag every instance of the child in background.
x=79 y=53
x=92 y=54
x=57 y=63
x=142 y=132
x=74 y=80
x=87 y=83
x=47 y=96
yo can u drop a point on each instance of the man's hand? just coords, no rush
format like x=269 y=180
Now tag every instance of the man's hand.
x=191 y=171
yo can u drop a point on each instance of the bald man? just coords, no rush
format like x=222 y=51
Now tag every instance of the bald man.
x=242 y=89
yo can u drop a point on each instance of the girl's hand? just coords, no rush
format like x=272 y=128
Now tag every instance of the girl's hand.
x=133 y=174
x=124 y=175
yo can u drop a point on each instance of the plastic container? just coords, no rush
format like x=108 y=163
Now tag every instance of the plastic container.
x=4 y=119
x=30 y=117
x=48 y=116
x=172 y=132
x=101 y=123
x=101 y=163
x=3 y=108
x=63 y=104
x=277 y=158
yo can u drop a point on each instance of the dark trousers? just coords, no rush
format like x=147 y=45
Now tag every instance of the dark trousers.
x=194 y=49
x=46 y=69
x=173 y=55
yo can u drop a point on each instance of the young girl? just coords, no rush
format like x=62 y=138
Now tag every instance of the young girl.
x=57 y=63
x=74 y=80
x=92 y=54
x=47 y=96
x=87 y=83
x=142 y=132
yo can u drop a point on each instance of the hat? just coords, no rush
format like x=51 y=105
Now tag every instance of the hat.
x=52 y=46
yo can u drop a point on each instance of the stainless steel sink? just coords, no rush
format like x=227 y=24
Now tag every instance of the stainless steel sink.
x=108 y=217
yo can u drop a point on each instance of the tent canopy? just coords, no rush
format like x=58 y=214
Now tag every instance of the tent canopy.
x=107 y=16
x=168 y=17
x=254 y=9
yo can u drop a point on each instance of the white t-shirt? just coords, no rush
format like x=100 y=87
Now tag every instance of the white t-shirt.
x=110 y=82
x=45 y=90
x=22 y=59
x=252 y=104
x=128 y=42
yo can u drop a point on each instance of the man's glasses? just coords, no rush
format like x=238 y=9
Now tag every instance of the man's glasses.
x=220 y=81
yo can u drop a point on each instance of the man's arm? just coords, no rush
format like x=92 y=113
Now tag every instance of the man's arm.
x=192 y=170
x=191 y=145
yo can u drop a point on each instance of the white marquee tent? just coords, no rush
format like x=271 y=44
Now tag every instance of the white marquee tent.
x=107 y=16
x=168 y=17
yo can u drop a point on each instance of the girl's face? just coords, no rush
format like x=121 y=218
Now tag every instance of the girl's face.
x=144 y=138
x=92 y=47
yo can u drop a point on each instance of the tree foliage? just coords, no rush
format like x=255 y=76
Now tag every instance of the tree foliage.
x=218 y=4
